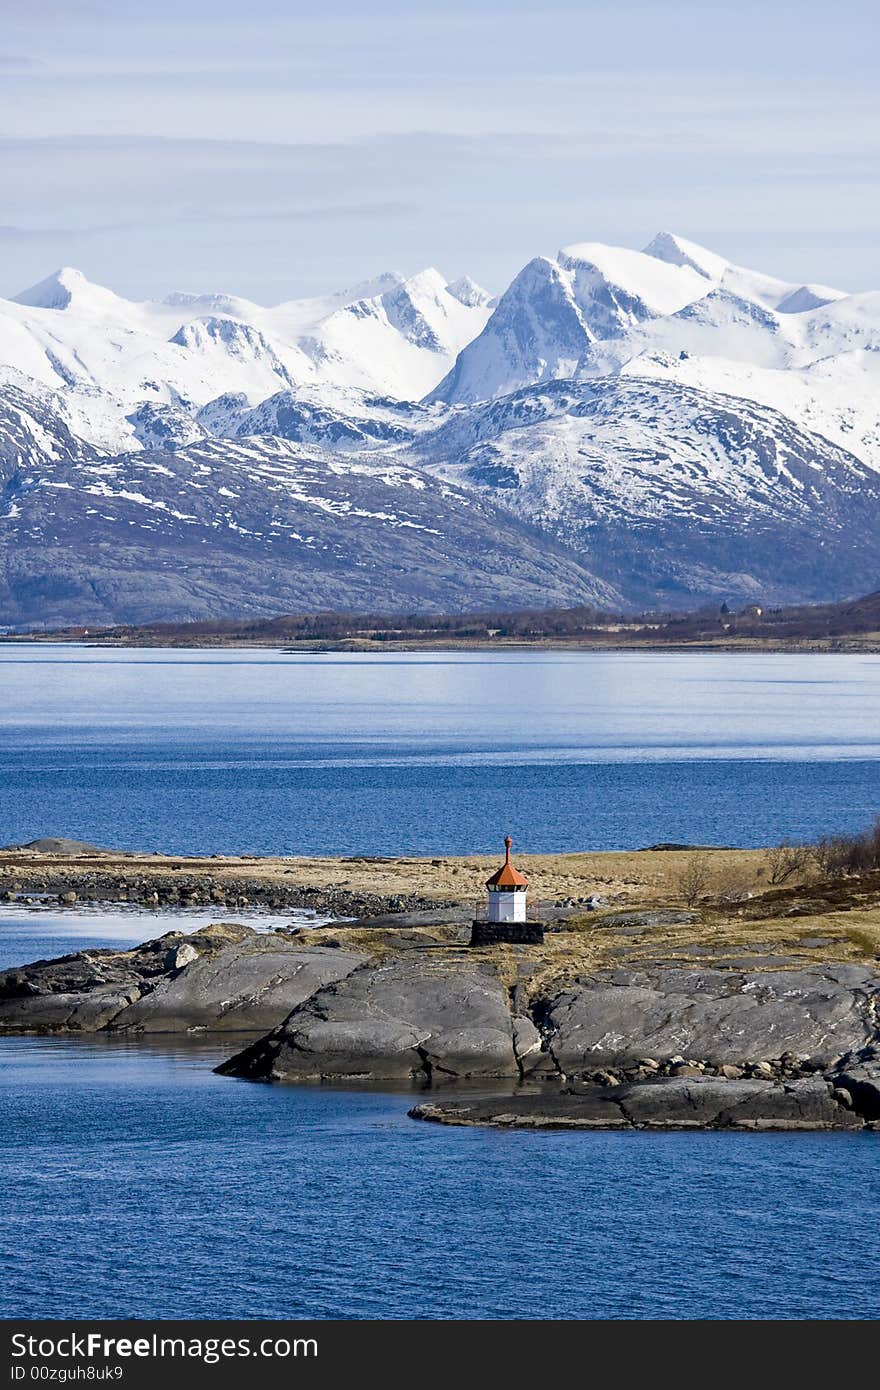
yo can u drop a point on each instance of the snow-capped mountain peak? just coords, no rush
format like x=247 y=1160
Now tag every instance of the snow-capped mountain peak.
x=557 y=308
x=807 y=297
x=676 y=250
x=399 y=342
x=468 y=292
x=647 y=285
x=66 y=288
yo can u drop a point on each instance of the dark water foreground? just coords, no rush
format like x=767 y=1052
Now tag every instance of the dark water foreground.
x=138 y=1183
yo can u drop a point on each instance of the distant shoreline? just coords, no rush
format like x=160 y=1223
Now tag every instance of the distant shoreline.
x=868 y=646
x=849 y=626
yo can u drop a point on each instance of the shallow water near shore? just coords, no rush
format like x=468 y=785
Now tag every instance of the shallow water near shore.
x=138 y=1183
x=31 y=932
x=418 y=753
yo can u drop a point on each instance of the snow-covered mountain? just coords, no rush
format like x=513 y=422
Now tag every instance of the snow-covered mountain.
x=678 y=427
x=112 y=357
x=257 y=527
x=808 y=351
x=671 y=494
x=555 y=309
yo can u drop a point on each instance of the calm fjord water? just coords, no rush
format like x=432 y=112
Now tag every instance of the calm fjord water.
x=264 y=752
x=137 y=1183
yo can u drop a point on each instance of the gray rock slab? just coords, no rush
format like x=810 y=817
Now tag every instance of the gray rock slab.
x=593 y=1109
x=77 y=1012
x=720 y=1104
x=615 y=1017
x=407 y=1018
x=250 y=986
x=671 y=1104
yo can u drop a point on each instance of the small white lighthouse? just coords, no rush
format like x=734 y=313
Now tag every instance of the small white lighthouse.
x=507 y=891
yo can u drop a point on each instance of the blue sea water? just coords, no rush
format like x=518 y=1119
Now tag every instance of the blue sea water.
x=265 y=752
x=137 y=1183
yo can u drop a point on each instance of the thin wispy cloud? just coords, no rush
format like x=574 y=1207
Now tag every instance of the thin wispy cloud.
x=467 y=135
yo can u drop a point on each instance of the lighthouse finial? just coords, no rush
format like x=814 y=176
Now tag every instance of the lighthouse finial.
x=507 y=844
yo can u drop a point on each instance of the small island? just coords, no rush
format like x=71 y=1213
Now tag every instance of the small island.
x=674 y=987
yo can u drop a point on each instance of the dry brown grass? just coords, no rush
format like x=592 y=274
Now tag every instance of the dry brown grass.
x=844 y=914
x=590 y=943
x=620 y=877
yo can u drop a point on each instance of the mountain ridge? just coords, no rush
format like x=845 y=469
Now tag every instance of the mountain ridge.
x=676 y=427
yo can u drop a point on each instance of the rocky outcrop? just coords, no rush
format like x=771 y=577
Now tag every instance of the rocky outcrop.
x=717 y=1015
x=453 y=1017
x=408 y=1018
x=669 y=1104
x=248 y=987
x=663 y=1044
x=225 y=978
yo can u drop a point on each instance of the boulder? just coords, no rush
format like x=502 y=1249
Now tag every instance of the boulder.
x=179 y=956
x=431 y=1019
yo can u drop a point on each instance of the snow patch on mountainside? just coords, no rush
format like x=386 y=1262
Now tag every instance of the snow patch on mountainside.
x=223 y=527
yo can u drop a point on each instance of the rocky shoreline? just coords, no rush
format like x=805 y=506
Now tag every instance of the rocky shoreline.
x=660 y=1045
x=847 y=1098
x=187 y=889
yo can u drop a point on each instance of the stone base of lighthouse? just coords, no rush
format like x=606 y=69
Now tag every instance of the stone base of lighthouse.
x=513 y=933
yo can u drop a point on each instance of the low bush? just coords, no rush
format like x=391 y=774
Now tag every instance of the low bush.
x=837 y=855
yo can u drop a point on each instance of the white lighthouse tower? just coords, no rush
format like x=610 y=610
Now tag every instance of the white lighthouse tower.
x=507 y=891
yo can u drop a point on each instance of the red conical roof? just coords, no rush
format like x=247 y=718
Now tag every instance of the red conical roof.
x=507 y=876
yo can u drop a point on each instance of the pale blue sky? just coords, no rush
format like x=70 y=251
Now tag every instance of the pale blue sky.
x=285 y=147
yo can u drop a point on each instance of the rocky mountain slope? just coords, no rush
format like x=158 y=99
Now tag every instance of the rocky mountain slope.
x=674 y=494
x=258 y=526
x=679 y=428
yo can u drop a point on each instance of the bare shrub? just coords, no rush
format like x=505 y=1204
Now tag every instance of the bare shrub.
x=733 y=884
x=838 y=855
x=694 y=879
x=831 y=854
x=787 y=861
